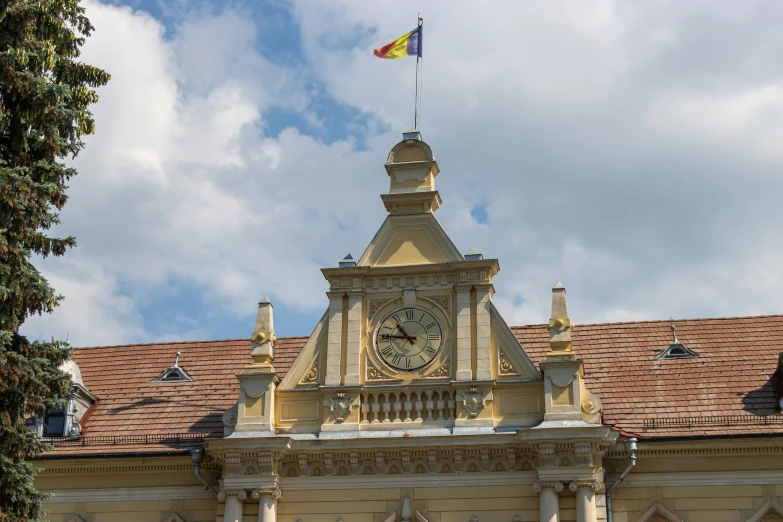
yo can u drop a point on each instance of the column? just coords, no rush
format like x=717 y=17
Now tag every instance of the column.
x=585 y=500
x=234 y=502
x=267 y=503
x=354 y=341
x=334 y=346
x=464 y=370
x=549 y=499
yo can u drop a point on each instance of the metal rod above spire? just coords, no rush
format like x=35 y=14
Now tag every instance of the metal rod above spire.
x=420 y=21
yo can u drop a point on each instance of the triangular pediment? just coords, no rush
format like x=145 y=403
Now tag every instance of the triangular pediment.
x=512 y=360
x=410 y=240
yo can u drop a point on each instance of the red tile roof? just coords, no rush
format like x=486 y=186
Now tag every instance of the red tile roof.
x=731 y=377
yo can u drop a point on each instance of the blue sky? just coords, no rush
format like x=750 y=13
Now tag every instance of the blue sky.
x=630 y=150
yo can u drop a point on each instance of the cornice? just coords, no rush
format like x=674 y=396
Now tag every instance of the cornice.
x=124 y=494
x=119 y=465
x=407 y=481
x=704 y=448
x=706 y=478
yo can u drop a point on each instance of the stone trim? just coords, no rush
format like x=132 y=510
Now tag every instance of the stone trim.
x=713 y=478
x=769 y=508
x=406 y=481
x=120 y=494
x=241 y=494
x=657 y=510
x=538 y=487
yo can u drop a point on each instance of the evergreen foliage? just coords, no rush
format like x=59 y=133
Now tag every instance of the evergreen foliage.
x=44 y=95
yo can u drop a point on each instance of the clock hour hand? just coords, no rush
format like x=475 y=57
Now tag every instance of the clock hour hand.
x=404 y=333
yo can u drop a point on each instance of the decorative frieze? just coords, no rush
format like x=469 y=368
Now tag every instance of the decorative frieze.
x=382 y=462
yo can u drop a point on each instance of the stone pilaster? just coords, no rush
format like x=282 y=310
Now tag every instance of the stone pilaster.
x=483 y=333
x=334 y=346
x=354 y=338
x=464 y=328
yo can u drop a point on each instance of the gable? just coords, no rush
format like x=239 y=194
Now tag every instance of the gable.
x=410 y=240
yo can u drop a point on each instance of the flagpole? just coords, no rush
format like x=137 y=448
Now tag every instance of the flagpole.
x=419 y=21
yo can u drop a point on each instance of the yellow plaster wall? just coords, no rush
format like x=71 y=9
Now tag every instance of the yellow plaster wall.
x=196 y=510
x=695 y=503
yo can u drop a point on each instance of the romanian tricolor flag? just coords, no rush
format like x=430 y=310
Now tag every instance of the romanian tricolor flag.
x=406 y=45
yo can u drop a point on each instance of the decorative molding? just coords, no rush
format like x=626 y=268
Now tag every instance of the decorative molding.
x=444 y=301
x=241 y=494
x=310 y=377
x=540 y=486
x=505 y=367
x=266 y=492
x=657 y=510
x=374 y=374
x=120 y=494
x=341 y=406
x=174 y=517
x=442 y=462
x=650 y=451
x=769 y=508
x=474 y=401
x=117 y=469
x=375 y=305
x=406 y=481
x=595 y=486
x=713 y=478
x=441 y=372
x=230 y=417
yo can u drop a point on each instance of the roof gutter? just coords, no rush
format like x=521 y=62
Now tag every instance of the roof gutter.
x=197 y=456
x=631 y=447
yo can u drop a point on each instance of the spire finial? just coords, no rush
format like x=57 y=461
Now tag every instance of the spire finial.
x=674 y=330
x=263 y=338
x=560 y=326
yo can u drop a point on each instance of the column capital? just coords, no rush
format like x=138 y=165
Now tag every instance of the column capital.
x=595 y=486
x=241 y=494
x=539 y=486
x=266 y=492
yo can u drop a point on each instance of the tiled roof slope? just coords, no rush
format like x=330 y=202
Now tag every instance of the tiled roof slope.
x=730 y=378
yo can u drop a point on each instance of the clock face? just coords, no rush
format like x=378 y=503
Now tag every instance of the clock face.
x=409 y=338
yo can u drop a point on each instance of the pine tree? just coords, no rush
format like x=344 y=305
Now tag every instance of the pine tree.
x=44 y=95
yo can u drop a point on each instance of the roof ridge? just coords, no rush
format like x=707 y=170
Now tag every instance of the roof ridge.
x=664 y=321
x=165 y=343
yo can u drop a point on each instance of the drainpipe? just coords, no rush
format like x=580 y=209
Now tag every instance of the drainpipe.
x=197 y=456
x=631 y=447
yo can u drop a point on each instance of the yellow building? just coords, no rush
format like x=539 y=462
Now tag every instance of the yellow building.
x=413 y=400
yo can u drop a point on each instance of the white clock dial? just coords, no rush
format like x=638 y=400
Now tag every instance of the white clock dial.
x=409 y=338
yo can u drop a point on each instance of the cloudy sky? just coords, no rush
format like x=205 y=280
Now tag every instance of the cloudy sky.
x=630 y=149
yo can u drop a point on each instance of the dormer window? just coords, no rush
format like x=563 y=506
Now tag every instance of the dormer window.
x=676 y=350
x=174 y=373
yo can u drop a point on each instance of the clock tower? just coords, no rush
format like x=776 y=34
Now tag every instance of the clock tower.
x=412 y=312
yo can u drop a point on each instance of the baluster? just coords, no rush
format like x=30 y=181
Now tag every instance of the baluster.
x=419 y=405
x=397 y=407
x=452 y=405
x=376 y=408
x=429 y=405
x=365 y=408
x=386 y=408
x=441 y=405
x=408 y=406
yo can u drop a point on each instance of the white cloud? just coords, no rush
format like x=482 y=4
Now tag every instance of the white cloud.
x=627 y=149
